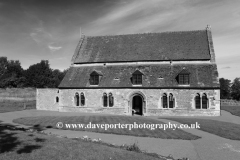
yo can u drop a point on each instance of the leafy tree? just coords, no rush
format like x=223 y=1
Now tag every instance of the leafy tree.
x=11 y=73
x=3 y=65
x=236 y=89
x=39 y=75
x=225 y=89
x=57 y=77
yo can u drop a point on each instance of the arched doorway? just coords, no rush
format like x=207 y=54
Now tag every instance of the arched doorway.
x=137 y=105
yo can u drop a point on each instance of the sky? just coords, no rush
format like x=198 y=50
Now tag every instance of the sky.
x=35 y=30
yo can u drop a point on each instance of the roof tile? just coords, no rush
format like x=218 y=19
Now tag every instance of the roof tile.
x=201 y=75
x=184 y=45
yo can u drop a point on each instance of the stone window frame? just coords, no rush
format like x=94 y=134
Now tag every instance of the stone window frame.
x=201 y=96
x=76 y=99
x=106 y=100
x=197 y=100
x=110 y=100
x=57 y=99
x=167 y=95
x=82 y=99
x=171 y=99
x=79 y=100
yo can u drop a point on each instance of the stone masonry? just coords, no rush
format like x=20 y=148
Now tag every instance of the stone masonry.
x=184 y=101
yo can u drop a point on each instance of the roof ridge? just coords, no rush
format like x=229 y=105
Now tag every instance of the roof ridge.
x=148 y=33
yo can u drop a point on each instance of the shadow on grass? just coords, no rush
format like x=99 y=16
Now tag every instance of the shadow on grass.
x=11 y=140
x=28 y=149
x=39 y=140
x=8 y=141
x=37 y=127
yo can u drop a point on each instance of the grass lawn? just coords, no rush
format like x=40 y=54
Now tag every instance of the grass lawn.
x=11 y=106
x=17 y=144
x=235 y=110
x=222 y=129
x=51 y=121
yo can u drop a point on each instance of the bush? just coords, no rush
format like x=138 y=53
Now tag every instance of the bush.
x=134 y=147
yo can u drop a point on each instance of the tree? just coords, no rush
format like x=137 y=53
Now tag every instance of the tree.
x=57 y=77
x=236 y=89
x=225 y=89
x=11 y=73
x=3 y=65
x=39 y=75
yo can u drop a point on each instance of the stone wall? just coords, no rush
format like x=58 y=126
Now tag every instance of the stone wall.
x=46 y=99
x=184 y=101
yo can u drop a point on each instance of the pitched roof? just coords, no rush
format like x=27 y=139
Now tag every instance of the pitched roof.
x=96 y=73
x=201 y=75
x=137 y=72
x=184 y=45
x=184 y=71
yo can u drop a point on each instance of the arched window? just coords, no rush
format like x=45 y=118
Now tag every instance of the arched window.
x=171 y=101
x=111 y=100
x=197 y=101
x=57 y=99
x=164 y=101
x=105 y=100
x=82 y=99
x=204 y=101
x=76 y=99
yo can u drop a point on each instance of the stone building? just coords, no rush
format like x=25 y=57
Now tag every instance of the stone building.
x=169 y=73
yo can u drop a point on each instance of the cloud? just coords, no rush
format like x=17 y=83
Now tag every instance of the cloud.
x=40 y=36
x=226 y=67
x=54 y=48
x=139 y=16
x=45 y=39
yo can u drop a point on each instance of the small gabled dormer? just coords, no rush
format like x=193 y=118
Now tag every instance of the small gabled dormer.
x=183 y=78
x=95 y=78
x=137 y=78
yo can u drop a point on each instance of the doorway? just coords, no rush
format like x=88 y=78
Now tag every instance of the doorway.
x=137 y=105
